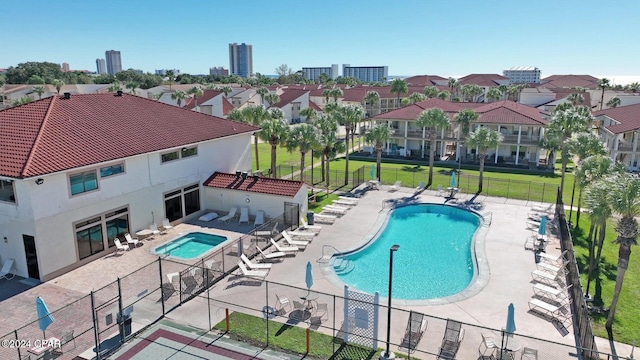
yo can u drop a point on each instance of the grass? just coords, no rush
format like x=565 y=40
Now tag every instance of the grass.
x=626 y=327
x=322 y=199
x=292 y=338
x=283 y=157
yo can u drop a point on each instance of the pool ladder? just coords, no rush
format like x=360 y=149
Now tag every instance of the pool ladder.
x=488 y=217
x=340 y=265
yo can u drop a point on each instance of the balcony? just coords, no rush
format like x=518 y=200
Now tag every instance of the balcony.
x=625 y=147
x=524 y=139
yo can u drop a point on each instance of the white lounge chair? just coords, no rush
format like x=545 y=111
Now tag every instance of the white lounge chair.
x=551 y=268
x=154 y=229
x=268 y=232
x=271 y=255
x=326 y=218
x=252 y=273
x=227 y=218
x=546 y=308
x=166 y=225
x=7 y=270
x=350 y=199
x=259 y=220
x=551 y=292
x=553 y=259
x=395 y=186
x=244 y=215
x=344 y=203
x=208 y=216
x=131 y=240
x=284 y=249
x=420 y=187
x=544 y=276
x=306 y=226
x=292 y=242
x=253 y=265
x=120 y=246
x=334 y=210
x=305 y=235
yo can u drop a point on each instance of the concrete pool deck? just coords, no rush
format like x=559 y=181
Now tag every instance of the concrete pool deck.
x=509 y=281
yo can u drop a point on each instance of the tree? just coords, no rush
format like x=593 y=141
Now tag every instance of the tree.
x=274 y=132
x=603 y=84
x=327 y=94
x=284 y=73
x=255 y=115
x=276 y=113
x=454 y=85
x=132 y=86
x=323 y=78
x=624 y=194
x=434 y=119
x=39 y=90
x=483 y=139
x=196 y=92
x=328 y=143
x=576 y=99
x=35 y=79
x=444 y=95
x=430 y=92
x=23 y=100
x=416 y=97
x=405 y=101
x=179 y=96
x=583 y=146
x=613 y=102
x=226 y=90
x=474 y=92
x=566 y=121
x=494 y=94
x=236 y=115
x=378 y=135
x=336 y=92
x=171 y=77
x=262 y=91
x=24 y=71
x=372 y=98
x=349 y=116
x=512 y=92
x=503 y=90
x=399 y=86
x=310 y=114
x=634 y=87
x=304 y=138
x=58 y=85
x=465 y=118
x=115 y=87
x=272 y=99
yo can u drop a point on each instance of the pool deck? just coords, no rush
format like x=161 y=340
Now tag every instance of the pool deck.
x=508 y=279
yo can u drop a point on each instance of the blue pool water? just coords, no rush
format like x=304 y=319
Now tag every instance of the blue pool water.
x=190 y=246
x=434 y=259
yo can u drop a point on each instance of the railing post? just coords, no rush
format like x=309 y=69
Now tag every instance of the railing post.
x=543 y=188
x=161 y=288
x=95 y=326
x=266 y=290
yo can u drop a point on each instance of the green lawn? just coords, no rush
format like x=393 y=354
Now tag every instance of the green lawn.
x=626 y=327
x=283 y=157
x=321 y=199
x=293 y=338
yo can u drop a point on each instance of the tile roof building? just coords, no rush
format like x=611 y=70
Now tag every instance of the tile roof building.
x=619 y=129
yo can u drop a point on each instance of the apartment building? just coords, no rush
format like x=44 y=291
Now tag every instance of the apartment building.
x=366 y=73
x=241 y=59
x=522 y=75
x=312 y=73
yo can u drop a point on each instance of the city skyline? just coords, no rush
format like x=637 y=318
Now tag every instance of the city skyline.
x=411 y=38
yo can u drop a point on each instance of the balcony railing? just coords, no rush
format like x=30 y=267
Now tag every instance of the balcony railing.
x=625 y=147
x=524 y=139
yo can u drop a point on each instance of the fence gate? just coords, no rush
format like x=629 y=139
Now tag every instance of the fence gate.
x=107 y=325
x=361 y=318
x=291 y=214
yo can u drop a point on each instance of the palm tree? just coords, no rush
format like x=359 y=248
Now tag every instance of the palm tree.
x=430 y=92
x=576 y=99
x=503 y=90
x=349 y=116
x=597 y=199
x=255 y=115
x=551 y=143
x=583 y=146
x=399 y=86
x=634 y=87
x=566 y=121
x=39 y=90
x=58 y=85
x=274 y=132
x=276 y=113
x=328 y=143
x=453 y=85
x=613 y=102
x=603 y=84
x=226 y=90
x=465 y=118
x=272 y=99
x=624 y=193
x=378 y=135
x=196 y=91
x=304 y=138
x=494 y=94
x=434 y=119
x=520 y=88
x=179 y=96
x=115 y=87
x=236 y=114
x=373 y=99
x=262 y=91
x=444 y=95
x=171 y=76
x=512 y=92
x=475 y=91
x=484 y=139
x=336 y=92
x=132 y=86
x=327 y=94
x=310 y=114
x=417 y=97
x=405 y=101
x=465 y=90
x=212 y=86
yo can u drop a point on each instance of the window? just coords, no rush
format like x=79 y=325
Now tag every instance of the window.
x=6 y=191
x=169 y=157
x=83 y=182
x=183 y=202
x=192 y=151
x=111 y=170
x=90 y=234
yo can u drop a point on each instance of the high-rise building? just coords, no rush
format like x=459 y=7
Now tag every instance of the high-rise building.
x=114 y=63
x=366 y=73
x=101 y=66
x=241 y=60
x=312 y=73
x=523 y=75
x=220 y=71
x=64 y=67
x=163 y=72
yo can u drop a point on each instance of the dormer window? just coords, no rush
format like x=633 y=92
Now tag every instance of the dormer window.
x=6 y=191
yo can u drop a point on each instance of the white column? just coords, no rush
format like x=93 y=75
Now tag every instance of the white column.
x=406 y=128
x=495 y=160
x=405 y=147
x=517 y=153
x=615 y=147
x=423 y=141
x=518 y=144
x=635 y=147
x=519 y=134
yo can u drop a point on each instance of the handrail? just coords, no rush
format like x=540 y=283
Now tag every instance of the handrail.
x=489 y=215
x=323 y=258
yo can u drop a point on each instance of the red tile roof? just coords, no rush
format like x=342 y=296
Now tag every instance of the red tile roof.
x=263 y=185
x=423 y=80
x=567 y=81
x=314 y=106
x=206 y=96
x=226 y=106
x=288 y=96
x=481 y=79
x=56 y=134
x=627 y=116
x=501 y=112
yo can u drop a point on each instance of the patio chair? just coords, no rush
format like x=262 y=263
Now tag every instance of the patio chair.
x=244 y=215
x=453 y=336
x=545 y=308
x=488 y=343
x=65 y=339
x=304 y=235
x=325 y=218
x=440 y=191
x=349 y=198
x=166 y=225
x=271 y=232
x=253 y=265
x=172 y=286
x=305 y=226
x=529 y=354
x=190 y=283
x=259 y=220
x=553 y=259
x=284 y=249
x=208 y=216
x=416 y=326
x=420 y=188
x=227 y=218
x=558 y=295
x=547 y=277
x=291 y=242
x=154 y=229
x=395 y=186
x=120 y=246
x=320 y=314
x=271 y=255
x=334 y=210
x=257 y=274
x=7 y=270
x=131 y=240
x=281 y=303
x=552 y=268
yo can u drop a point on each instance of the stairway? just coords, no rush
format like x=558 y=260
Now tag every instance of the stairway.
x=343 y=266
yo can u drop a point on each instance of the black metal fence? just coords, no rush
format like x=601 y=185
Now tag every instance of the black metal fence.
x=315 y=176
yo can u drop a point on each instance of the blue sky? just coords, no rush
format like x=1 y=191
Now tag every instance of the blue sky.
x=447 y=38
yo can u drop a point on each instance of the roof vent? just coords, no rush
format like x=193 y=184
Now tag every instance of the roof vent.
x=119 y=93
x=67 y=95
x=256 y=177
x=238 y=173
x=244 y=175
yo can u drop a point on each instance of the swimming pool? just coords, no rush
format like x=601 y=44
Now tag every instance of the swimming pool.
x=190 y=246
x=435 y=258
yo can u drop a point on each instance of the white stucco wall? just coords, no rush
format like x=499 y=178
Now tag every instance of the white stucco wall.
x=223 y=200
